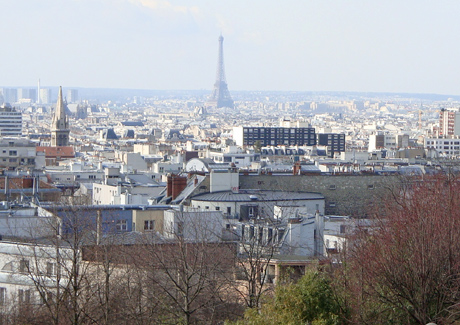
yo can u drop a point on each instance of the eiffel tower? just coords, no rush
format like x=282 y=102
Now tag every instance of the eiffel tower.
x=220 y=96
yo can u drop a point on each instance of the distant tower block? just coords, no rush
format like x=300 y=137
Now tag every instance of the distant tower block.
x=60 y=124
x=72 y=95
x=220 y=96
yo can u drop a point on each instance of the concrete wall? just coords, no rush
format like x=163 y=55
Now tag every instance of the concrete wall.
x=223 y=181
x=140 y=216
x=199 y=226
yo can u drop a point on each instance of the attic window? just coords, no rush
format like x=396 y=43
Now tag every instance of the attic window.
x=332 y=187
x=8 y=267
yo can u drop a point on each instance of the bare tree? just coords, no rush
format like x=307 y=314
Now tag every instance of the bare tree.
x=252 y=262
x=72 y=290
x=189 y=271
x=407 y=264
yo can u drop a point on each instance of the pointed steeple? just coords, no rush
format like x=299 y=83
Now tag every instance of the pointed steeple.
x=60 y=124
x=60 y=118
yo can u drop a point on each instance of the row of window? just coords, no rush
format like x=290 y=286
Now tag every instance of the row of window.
x=24 y=267
x=263 y=235
x=275 y=142
x=278 y=130
x=25 y=296
x=441 y=142
x=229 y=209
x=122 y=225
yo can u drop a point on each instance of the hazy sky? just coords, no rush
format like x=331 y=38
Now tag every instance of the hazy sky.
x=304 y=45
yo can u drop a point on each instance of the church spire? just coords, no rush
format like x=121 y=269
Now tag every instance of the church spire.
x=60 y=124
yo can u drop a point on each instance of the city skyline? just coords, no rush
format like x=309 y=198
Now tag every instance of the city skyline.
x=299 y=46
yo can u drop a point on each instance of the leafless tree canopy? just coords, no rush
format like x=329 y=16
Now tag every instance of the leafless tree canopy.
x=407 y=265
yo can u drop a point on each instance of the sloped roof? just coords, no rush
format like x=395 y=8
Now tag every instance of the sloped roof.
x=142 y=179
x=132 y=123
x=54 y=152
x=15 y=183
x=188 y=190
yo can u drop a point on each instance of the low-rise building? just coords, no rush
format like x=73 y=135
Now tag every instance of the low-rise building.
x=444 y=146
x=17 y=153
x=28 y=272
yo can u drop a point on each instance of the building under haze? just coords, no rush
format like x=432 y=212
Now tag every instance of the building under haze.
x=10 y=95
x=45 y=96
x=449 y=122
x=220 y=96
x=27 y=94
x=72 y=95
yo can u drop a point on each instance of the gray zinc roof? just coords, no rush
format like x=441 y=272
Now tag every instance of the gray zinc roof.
x=254 y=196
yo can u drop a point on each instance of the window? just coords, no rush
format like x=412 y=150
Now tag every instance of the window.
x=50 y=269
x=217 y=208
x=229 y=210
x=149 y=224
x=24 y=296
x=122 y=225
x=13 y=153
x=23 y=266
x=48 y=297
x=331 y=204
x=370 y=187
x=180 y=228
x=332 y=187
x=2 y=296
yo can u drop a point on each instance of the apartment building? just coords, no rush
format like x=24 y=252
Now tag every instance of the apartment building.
x=449 y=147
x=274 y=136
x=449 y=122
x=19 y=153
x=10 y=121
